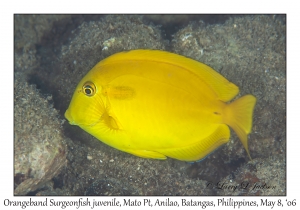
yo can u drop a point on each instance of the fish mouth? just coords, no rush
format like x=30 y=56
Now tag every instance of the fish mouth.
x=71 y=121
x=69 y=117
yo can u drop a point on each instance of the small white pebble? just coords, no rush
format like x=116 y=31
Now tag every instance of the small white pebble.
x=89 y=157
x=112 y=160
x=186 y=36
x=201 y=51
x=49 y=98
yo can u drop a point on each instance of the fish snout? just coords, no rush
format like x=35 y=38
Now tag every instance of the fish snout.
x=68 y=116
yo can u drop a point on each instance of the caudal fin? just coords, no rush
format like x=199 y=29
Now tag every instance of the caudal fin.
x=238 y=115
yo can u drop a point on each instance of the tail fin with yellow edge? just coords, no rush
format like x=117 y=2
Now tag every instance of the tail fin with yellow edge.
x=238 y=115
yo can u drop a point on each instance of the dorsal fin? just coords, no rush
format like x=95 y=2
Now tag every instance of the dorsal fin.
x=224 y=89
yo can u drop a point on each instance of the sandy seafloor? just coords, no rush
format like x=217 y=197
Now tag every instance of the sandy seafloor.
x=53 y=52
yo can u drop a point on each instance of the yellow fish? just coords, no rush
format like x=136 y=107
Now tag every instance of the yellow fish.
x=156 y=104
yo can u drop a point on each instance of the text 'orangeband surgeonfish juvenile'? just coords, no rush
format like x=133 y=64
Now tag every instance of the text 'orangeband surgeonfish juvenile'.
x=156 y=104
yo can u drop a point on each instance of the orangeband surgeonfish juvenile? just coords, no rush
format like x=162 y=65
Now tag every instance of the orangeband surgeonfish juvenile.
x=156 y=104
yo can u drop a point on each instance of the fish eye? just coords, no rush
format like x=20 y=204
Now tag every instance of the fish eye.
x=89 y=89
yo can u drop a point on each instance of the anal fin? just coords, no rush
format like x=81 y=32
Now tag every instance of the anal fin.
x=200 y=149
x=147 y=154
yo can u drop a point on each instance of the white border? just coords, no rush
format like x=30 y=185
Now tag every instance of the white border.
x=154 y=6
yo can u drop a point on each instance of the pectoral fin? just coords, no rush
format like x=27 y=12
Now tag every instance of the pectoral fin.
x=110 y=121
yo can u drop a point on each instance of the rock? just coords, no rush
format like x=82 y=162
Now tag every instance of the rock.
x=39 y=148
